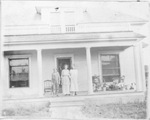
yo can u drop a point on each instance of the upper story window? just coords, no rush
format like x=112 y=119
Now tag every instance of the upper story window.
x=110 y=67
x=19 y=72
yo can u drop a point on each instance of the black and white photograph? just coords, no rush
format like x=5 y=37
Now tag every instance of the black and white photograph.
x=75 y=60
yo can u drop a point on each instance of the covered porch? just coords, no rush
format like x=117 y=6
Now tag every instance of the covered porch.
x=92 y=57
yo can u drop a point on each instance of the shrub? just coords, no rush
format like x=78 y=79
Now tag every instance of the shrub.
x=8 y=112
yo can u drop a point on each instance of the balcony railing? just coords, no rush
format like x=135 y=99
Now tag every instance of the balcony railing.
x=55 y=29
x=70 y=28
x=52 y=29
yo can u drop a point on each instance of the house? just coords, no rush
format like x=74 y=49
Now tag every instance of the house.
x=100 y=39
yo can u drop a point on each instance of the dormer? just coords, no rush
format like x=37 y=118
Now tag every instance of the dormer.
x=60 y=19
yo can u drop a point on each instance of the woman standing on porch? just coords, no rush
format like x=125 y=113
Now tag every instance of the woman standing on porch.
x=74 y=80
x=65 y=75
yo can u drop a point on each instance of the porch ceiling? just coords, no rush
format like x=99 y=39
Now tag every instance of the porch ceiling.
x=72 y=37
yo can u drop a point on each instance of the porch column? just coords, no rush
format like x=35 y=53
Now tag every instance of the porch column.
x=89 y=66
x=139 y=68
x=142 y=67
x=39 y=64
x=2 y=68
x=148 y=92
x=148 y=81
x=1 y=81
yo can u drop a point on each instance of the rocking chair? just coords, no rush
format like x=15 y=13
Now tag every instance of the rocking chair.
x=48 y=87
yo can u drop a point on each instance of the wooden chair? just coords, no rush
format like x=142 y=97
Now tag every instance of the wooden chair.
x=48 y=87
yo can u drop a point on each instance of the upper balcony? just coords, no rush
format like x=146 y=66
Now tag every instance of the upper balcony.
x=65 y=29
x=46 y=36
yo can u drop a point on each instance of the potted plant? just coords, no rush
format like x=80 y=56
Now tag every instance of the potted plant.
x=104 y=86
x=96 y=83
x=121 y=83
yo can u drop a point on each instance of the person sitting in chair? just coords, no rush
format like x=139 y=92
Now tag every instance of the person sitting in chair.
x=56 y=81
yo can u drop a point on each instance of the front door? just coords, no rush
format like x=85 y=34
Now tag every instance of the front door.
x=60 y=66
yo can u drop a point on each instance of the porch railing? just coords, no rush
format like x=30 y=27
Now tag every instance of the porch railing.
x=50 y=29
x=55 y=29
x=70 y=28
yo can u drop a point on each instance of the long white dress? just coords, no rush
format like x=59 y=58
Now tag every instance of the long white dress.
x=65 y=82
x=74 y=80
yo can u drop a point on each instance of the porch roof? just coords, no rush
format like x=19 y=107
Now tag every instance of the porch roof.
x=72 y=37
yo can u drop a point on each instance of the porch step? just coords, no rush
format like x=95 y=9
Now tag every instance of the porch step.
x=67 y=103
x=101 y=99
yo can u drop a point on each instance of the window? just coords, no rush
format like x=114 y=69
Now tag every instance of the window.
x=19 y=72
x=110 y=67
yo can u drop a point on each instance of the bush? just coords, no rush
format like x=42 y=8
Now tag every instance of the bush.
x=8 y=112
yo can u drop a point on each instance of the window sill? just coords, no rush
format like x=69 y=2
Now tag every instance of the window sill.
x=12 y=88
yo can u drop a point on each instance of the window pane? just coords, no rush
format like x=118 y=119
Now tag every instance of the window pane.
x=110 y=71
x=107 y=72
x=110 y=66
x=19 y=84
x=109 y=57
x=19 y=72
x=116 y=71
x=113 y=57
x=19 y=77
x=15 y=70
x=18 y=62
x=105 y=57
x=109 y=78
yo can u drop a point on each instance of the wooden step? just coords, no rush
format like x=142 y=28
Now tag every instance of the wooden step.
x=67 y=103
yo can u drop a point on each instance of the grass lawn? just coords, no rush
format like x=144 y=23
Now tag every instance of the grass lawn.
x=28 y=110
x=136 y=110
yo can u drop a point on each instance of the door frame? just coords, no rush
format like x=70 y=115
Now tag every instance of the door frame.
x=63 y=56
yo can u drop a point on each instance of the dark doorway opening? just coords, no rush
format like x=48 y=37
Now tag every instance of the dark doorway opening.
x=60 y=66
